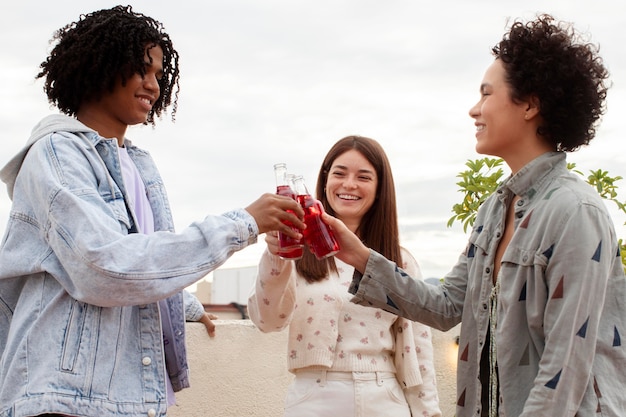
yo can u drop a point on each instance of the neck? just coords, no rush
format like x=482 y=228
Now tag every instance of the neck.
x=106 y=128
x=530 y=150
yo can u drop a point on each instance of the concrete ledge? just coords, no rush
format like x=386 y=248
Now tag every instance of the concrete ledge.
x=242 y=372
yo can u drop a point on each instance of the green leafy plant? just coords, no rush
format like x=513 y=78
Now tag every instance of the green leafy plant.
x=477 y=183
x=484 y=175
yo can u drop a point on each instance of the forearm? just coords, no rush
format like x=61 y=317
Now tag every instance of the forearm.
x=106 y=267
x=386 y=286
x=271 y=304
x=194 y=310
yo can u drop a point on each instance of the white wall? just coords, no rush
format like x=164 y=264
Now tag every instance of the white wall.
x=232 y=285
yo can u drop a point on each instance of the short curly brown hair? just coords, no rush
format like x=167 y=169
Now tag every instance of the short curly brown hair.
x=553 y=62
x=101 y=48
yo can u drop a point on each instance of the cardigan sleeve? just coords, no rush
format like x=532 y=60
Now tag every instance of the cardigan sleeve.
x=272 y=302
x=415 y=363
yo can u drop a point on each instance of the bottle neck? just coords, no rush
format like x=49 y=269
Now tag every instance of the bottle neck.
x=280 y=173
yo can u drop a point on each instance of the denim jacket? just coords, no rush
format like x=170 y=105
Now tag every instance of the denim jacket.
x=80 y=325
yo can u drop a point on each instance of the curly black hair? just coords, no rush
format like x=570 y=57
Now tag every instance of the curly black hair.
x=102 y=47
x=557 y=64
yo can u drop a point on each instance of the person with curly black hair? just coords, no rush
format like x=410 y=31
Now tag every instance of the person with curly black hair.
x=540 y=288
x=104 y=49
x=92 y=273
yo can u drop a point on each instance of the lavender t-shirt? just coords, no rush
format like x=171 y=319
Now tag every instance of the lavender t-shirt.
x=139 y=204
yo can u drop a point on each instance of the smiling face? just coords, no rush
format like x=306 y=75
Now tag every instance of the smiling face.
x=500 y=122
x=130 y=104
x=351 y=187
x=507 y=128
x=127 y=104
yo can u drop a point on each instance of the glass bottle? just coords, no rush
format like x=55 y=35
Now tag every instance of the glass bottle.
x=317 y=235
x=289 y=248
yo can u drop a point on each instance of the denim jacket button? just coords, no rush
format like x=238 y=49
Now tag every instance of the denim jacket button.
x=151 y=412
x=146 y=361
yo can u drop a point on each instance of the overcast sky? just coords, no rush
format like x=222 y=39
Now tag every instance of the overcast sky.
x=266 y=81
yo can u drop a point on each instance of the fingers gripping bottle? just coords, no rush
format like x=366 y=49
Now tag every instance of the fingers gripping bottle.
x=290 y=248
x=317 y=235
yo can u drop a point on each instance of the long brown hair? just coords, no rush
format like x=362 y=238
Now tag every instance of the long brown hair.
x=379 y=226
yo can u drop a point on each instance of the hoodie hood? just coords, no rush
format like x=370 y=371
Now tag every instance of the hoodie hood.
x=48 y=125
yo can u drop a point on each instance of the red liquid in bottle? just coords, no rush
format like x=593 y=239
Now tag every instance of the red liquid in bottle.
x=290 y=248
x=317 y=235
x=293 y=254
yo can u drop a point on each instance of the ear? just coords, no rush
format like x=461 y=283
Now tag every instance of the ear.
x=532 y=107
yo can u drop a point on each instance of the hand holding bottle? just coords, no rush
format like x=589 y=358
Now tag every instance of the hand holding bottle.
x=273 y=246
x=288 y=246
x=352 y=250
x=275 y=212
x=318 y=237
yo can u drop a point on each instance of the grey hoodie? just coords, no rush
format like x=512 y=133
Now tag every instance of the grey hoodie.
x=50 y=124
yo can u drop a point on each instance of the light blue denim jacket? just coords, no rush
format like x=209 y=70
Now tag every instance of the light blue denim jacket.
x=80 y=328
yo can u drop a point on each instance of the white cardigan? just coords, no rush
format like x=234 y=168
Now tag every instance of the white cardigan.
x=327 y=331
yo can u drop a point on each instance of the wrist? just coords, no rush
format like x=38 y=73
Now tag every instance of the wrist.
x=362 y=256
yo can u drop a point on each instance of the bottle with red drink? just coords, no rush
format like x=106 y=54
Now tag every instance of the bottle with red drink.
x=317 y=235
x=289 y=248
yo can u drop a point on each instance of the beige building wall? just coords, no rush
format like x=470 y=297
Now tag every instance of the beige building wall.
x=242 y=372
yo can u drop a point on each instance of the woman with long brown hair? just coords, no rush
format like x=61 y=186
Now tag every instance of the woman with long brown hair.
x=348 y=360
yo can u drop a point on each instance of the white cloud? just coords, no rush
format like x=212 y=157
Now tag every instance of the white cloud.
x=282 y=80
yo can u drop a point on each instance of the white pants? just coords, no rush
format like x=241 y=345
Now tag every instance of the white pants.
x=345 y=394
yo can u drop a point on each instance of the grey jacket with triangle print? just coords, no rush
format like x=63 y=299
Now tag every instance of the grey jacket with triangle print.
x=561 y=307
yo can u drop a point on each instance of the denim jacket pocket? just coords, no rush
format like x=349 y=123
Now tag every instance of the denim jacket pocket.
x=73 y=335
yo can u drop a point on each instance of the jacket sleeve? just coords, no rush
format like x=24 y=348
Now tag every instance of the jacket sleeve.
x=272 y=302
x=421 y=382
x=82 y=218
x=194 y=310
x=386 y=286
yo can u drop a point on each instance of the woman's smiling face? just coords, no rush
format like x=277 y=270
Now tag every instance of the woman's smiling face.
x=351 y=187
